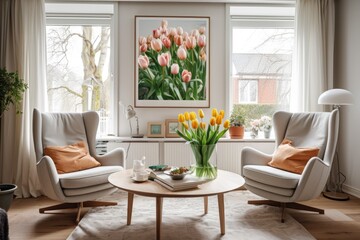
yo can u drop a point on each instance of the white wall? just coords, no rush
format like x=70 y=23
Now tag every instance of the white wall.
x=127 y=12
x=346 y=70
x=347 y=76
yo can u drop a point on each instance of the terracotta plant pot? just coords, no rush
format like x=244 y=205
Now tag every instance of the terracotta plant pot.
x=236 y=132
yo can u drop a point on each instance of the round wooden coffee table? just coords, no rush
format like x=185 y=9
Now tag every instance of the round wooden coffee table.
x=225 y=182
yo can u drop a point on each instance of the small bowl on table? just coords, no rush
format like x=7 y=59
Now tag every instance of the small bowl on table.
x=177 y=173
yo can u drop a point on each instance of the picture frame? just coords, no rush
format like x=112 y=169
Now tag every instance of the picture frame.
x=170 y=128
x=164 y=76
x=155 y=130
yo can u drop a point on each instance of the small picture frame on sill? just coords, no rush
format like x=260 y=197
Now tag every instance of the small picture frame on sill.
x=155 y=130
x=170 y=128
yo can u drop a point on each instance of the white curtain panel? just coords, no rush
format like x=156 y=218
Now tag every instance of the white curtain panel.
x=23 y=50
x=314 y=53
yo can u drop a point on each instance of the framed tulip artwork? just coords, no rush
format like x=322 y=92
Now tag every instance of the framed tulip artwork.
x=172 y=61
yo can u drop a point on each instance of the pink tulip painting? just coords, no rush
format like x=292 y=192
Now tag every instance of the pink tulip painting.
x=156 y=45
x=156 y=33
x=172 y=59
x=164 y=59
x=143 y=48
x=178 y=39
x=186 y=76
x=181 y=53
x=166 y=42
x=175 y=69
x=143 y=61
x=190 y=42
x=201 y=41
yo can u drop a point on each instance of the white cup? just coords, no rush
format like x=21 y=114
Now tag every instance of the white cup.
x=141 y=176
x=139 y=165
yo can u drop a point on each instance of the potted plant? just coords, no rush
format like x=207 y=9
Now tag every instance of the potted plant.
x=266 y=125
x=237 y=122
x=12 y=89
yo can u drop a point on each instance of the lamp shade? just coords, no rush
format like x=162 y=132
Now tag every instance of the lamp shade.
x=336 y=96
x=130 y=112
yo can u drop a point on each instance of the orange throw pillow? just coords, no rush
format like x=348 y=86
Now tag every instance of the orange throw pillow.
x=71 y=158
x=289 y=158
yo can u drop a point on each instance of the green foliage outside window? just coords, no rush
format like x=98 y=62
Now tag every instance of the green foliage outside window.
x=255 y=111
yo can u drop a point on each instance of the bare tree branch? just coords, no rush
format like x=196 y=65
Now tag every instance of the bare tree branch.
x=67 y=89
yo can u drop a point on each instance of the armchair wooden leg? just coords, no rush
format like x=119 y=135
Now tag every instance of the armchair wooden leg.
x=283 y=206
x=58 y=207
x=78 y=206
x=98 y=204
x=297 y=206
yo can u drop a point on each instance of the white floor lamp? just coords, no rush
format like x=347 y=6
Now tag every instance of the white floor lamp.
x=337 y=97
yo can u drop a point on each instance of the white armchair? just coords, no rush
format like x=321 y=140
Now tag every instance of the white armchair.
x=283 y=188
x=74 y=189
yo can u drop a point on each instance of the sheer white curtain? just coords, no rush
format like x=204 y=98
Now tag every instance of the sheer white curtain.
x=314 y=53
x=22 y=48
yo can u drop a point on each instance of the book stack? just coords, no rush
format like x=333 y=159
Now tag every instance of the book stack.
x=188 y=182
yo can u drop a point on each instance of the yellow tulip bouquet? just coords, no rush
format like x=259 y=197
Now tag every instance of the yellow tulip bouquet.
x=202 y=138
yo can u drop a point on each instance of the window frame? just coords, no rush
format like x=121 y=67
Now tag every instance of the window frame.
x=90 y=16
x=250 y=21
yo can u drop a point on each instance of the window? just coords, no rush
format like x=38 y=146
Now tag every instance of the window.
x=80 y=60
x=261 y=51
x=248 y=91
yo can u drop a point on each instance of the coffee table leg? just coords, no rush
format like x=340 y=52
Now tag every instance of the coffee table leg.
x=130 y=207
x=159 y=204
x=221 y=212
x=206 y=201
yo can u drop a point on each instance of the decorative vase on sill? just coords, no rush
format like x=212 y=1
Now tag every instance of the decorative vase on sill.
x=202 y=137
x=255 y=126
x=266 y=125
x=254 y=133
x=267 y=132
x=204 y=162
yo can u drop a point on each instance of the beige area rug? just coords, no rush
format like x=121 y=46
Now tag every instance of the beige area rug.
x=184 y=219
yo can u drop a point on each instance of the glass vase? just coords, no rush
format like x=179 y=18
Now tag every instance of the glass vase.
x=204 y=163
x=254 y=133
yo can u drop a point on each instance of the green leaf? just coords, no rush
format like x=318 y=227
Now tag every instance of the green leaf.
x=182 y=135
x=158 y=94
x=151 y=92
x=178 y=93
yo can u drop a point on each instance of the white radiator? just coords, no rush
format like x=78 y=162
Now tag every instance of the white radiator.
x=137 y=151
x=180 y=154
x=177 y=154
x=228 y=154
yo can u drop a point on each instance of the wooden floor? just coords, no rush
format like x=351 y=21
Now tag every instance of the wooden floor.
x=341 y=219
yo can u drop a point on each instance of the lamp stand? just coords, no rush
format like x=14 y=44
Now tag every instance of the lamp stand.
x=338 y=194
x=137 y=135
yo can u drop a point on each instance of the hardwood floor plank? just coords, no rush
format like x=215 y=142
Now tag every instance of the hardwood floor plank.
x=341 y=221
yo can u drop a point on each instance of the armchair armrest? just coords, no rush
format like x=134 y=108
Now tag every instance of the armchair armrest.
x=49 y=179
x=114 y=158
x=252 y=156
x=313 y=179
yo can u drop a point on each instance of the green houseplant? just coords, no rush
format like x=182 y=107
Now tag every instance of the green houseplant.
x=237 y=122
x=12 y=89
